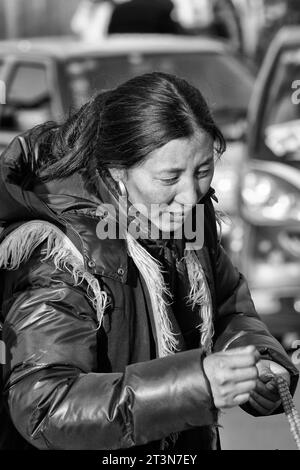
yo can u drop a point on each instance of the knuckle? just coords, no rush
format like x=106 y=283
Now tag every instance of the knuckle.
x=255 y=372
x=219 y=403
x=246 y=397
x=221 y=378
x=252 y=384
x=252 y=360
x=228 y=401
x=236 y=375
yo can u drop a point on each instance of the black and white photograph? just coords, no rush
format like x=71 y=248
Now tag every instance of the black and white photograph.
x=149 y=228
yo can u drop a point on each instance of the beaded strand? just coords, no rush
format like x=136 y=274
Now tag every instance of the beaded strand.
x=289 y=408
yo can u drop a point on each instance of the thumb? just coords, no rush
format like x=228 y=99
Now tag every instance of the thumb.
x=278 y=370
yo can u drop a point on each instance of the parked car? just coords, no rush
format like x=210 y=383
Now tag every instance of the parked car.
x=270 y=189
x=46 y=77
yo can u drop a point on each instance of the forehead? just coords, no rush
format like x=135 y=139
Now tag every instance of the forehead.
x=181 y=153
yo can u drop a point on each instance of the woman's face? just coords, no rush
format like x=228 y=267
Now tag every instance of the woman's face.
x=172 y=180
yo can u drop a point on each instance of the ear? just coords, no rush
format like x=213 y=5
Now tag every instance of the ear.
x=118 y=174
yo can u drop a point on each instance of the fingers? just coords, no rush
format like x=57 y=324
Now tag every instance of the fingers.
x=240 y=389
x=226 y=376
x=264 y=402
x=266 y=378
x=242 y=357
x=239 y=375
x=244 y=374
x=267 y=369
x=241 y=399
x=265 y=398
x=268 y=391
x=257 y=407
x=261 y=405
x=232 y=375
x=244 y=351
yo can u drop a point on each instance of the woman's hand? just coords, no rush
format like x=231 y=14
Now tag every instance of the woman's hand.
x=232 y=375
x=265 y=399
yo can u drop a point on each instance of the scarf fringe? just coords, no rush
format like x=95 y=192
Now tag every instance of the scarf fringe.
x=19 y=245
x=199 y=295
x=151 y=270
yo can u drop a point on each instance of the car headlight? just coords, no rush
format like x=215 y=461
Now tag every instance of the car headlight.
x=268 y=199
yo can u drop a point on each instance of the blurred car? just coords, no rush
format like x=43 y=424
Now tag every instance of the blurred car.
x=46 y=77
x=218 y=18
x=270 y=189
x=273 y=14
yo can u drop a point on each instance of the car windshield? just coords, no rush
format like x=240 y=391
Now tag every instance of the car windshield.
x=281 y=128
x=224 y=81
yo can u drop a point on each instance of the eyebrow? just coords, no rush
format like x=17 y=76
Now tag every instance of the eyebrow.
x=178 y=169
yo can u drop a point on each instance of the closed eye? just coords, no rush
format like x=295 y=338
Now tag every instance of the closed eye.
x=172 y=180
x=203 y=173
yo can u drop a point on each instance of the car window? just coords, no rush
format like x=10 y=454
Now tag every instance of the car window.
x=27 y=98
x=281 y=121
x=224 y=81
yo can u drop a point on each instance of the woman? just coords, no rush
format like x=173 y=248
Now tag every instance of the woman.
x=116 y=340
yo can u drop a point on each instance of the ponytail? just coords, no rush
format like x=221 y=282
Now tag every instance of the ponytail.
x=73 y=144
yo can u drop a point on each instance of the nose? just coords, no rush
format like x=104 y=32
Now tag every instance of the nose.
x=190 y=193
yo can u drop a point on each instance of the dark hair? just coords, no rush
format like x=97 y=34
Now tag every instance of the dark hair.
x=119 y=128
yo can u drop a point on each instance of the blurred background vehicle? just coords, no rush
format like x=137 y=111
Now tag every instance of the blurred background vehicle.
x=260 y=21
x=275 y=14
x=269 y=192
x=28 y=18
x=218 y=18
x=45 y=78
x=95 y=19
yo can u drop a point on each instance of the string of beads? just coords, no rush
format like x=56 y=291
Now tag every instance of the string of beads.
x=289 y=408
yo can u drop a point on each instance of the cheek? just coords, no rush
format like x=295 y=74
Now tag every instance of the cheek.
x=163 y=194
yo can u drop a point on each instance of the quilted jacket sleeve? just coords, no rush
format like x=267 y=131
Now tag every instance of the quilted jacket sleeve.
x=237 y=322
x=56 y=397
